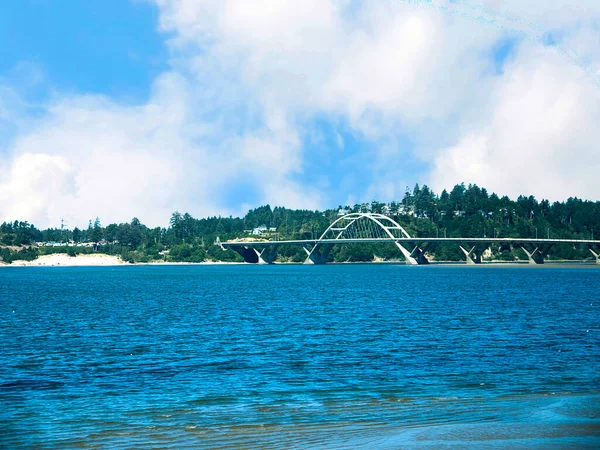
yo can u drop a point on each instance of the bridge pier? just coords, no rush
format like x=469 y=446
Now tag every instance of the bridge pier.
x=419 y=254
x=472 y=256
x=249 y=254
x=268 y=255
x=317 y=254
x=407 y=255
x=596 y=253
x=253 y=256
x=536 y=255
x=414 y=257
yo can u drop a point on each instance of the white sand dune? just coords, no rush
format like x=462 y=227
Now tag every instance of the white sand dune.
x=96 y=259
x=62 y=259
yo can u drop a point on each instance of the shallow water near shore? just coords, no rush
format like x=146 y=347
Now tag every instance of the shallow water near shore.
x=340 y=356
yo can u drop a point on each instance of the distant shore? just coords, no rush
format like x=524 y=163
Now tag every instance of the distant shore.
x=62 y=259
x=93 y=260
x=97 y=259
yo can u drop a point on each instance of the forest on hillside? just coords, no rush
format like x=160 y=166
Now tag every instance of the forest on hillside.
x=465 y=211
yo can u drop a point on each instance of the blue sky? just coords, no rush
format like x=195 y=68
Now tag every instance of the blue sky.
x=110 y=47
x=121 y=108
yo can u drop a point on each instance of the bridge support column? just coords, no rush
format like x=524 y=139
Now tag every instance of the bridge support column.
x=317 y=254
x=538 y=254
x=472 y=256
x=250 y=255
x=419 y=254
x=259 y=256
x=407 y=255
x=596 y=253
x=267 y=255
x=414 y=257
x=253 y=256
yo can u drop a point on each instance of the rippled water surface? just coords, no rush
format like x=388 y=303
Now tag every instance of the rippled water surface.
x=338 y=356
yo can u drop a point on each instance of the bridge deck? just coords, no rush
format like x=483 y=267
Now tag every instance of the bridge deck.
x=351 y=229
x=485 y=240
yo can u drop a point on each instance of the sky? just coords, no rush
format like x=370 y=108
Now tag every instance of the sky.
x=139 y=108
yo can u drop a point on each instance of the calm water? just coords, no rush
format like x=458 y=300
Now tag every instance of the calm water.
x=338 y=356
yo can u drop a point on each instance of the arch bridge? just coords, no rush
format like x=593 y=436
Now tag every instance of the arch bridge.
x=360 y=228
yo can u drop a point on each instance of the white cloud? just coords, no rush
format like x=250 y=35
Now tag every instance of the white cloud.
x=540 y=137
x=541 y=15
x=31 y=183
x=391 y=58
x=114 y=161
x=386 y=68
x=248 y=79
x=91 y=157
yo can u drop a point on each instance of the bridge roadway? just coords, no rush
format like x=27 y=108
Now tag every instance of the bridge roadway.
x=368 y=227
x=536 y=249
x=412 y=240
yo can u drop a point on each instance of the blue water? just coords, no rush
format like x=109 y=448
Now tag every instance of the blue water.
x=338 y=356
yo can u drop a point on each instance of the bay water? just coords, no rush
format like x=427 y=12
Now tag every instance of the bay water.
x=291 y=356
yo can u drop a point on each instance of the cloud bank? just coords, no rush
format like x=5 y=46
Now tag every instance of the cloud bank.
x=266 y=102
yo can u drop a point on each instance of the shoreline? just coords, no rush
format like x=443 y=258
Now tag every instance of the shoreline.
x=93 y=260
x=104 y=260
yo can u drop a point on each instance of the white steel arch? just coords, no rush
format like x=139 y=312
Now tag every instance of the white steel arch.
x=345 y=224
x=359 y=225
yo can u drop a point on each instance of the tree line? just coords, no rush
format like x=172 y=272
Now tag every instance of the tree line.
x=465 y=211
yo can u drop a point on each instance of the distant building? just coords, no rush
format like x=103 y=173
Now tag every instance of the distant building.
x=408 y=210
x=259 y=230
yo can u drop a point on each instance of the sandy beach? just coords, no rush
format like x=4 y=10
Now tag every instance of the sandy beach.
x=62 y=259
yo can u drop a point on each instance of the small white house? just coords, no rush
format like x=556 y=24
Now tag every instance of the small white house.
x=259 y=230
x=407 y=210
